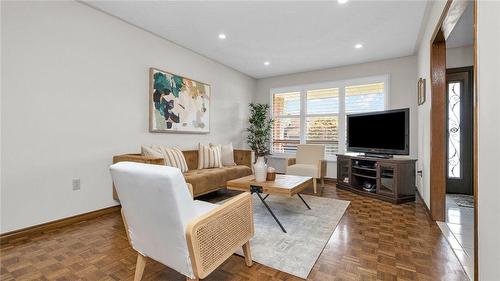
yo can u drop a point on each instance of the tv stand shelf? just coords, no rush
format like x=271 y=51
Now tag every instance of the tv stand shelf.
x=394 y=178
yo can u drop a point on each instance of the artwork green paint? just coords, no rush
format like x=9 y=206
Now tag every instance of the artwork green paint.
x=178 y=104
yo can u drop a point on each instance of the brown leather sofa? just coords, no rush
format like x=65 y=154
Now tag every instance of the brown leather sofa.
x=202 y=181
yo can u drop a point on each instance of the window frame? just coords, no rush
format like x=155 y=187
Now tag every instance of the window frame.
x=341 y=85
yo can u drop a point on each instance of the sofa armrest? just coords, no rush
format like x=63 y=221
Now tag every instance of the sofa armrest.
x=243 y=157
x=228 y=226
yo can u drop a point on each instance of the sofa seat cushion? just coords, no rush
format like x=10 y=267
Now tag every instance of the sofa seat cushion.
x=238 y=171
x=206 y=180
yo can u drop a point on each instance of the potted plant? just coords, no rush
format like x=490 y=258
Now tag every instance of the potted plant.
x=258 y=137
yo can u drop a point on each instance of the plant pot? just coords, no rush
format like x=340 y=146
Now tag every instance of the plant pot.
x=260 y=169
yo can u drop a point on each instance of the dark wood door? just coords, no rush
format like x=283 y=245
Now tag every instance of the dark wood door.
x=459 y=122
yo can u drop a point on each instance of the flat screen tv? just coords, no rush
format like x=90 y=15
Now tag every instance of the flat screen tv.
x=379 y=133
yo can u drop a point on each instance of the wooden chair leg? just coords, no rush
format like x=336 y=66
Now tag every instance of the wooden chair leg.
x=247 y=253
x=139 y=267
x=314 y=186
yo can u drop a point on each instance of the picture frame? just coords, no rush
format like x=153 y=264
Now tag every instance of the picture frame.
x=178 y=104
x=421 y=91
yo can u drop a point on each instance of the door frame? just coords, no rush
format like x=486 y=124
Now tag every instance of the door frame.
x=452 y=12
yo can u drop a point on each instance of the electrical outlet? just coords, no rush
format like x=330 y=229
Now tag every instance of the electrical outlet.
x=76 y=184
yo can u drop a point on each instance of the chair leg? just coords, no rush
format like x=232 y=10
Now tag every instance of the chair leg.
x=322 y=182
x=314 y=186
x=247 y=253
x=139 y=267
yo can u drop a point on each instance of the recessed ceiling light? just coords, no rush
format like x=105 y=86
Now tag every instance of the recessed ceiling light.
x=342 y=1
x=266 y=63
x=358 y=46
x=222 y=36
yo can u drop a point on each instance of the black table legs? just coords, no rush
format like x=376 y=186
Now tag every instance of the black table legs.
x=270 y=211
x=258 y=191
x=298 y=194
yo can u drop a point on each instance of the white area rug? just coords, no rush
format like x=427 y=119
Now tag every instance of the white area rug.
x=308 y=231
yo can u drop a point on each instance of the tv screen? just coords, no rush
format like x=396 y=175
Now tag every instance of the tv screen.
x=384 y=132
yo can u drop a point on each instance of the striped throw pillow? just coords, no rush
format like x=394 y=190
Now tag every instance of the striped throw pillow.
x=173 y=157
x=209 y=156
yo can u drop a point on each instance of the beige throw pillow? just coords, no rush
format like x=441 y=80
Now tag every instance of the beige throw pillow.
x=209 y=156
x=226 y=154
x=173 y=157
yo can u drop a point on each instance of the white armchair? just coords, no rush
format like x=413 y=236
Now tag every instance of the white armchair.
x=164 y=223
x=309 y=162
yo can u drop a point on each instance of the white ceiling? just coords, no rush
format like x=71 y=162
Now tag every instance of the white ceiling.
x=463 y=32
x=292 y=36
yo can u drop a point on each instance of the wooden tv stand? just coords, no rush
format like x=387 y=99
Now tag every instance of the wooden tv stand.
x=394 y=178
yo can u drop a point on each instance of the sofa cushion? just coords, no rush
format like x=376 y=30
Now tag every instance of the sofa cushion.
x=207 y=180
x=234 y=172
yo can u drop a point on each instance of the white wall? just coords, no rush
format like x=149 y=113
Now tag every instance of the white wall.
x=75 y=93
x=403 y=81
x=460 y=57
x=488 y=66
x=423 y=66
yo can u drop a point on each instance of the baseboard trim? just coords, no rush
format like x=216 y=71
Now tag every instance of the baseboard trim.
x=40 y=228
x=334 y=180
x=417 y=192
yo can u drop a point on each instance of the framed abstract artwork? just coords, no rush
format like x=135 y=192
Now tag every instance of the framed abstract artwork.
x=421 y=91
x=177 y=104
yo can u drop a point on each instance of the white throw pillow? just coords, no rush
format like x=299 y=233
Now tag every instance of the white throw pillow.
x=151 y=152
x=209 y=156
x=226 y=154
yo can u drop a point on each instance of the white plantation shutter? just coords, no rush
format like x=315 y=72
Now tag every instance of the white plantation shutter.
x=364 y=98
x=286 y=127
x=322 y=119
x=317 y=115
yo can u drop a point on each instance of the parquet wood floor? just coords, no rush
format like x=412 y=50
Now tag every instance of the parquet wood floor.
x=375 y=240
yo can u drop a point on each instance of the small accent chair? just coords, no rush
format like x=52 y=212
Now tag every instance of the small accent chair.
x=309 y=162
x=164 y=223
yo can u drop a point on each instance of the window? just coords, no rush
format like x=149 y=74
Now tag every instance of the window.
x=317 y=113
x=286 y=128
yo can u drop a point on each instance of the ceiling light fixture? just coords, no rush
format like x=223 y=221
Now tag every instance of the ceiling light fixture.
x=222 y=36
x=342 y=1
x=266 y=63
x=358 y=46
